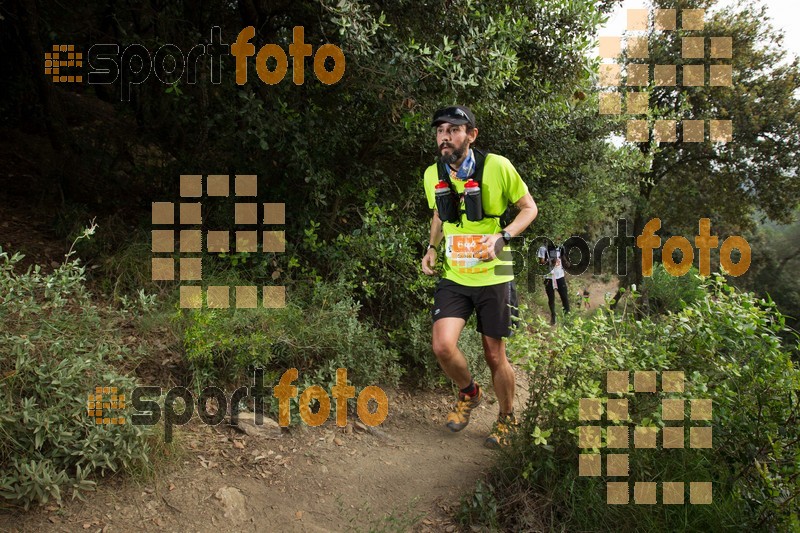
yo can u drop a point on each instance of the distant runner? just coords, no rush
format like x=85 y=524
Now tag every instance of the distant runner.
x=469 y=191
x=555 y=280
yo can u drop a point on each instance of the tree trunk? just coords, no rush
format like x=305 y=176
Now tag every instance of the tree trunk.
x=633 y=275
x=53 y=119
x=51 y=111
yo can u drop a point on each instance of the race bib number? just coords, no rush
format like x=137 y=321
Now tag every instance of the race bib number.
x=465 y=250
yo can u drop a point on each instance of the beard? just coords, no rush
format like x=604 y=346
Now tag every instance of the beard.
x=456 y=152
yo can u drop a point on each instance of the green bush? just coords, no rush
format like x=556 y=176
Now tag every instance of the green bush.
x=666 y=292
x=413 y=343
x=317 y=336
x=775 y=267
x=377 y=262
x=56 y=346
x=729 y=347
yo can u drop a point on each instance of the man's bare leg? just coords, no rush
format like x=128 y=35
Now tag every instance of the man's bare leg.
x=503 y=377
x=446 y=332
x=445 y=345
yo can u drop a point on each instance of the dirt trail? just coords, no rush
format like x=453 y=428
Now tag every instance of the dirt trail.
x=410 y=475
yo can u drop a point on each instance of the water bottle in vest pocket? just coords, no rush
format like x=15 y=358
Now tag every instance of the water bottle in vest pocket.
x=472 y=201
x=446 y=203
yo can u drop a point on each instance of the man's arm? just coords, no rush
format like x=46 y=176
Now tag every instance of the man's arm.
x=542 y=255
x=436 y=236
x=527 y=213
x=436 y=229
x=565 y=258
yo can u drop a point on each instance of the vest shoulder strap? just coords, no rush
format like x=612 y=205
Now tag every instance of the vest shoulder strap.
x=480 y=160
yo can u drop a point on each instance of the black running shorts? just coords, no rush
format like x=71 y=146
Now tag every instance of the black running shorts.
x=494 y=304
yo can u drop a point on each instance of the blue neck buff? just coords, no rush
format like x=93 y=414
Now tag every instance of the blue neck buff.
x=466 y=169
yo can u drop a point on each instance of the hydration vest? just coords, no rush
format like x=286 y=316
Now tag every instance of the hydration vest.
x=444 y=175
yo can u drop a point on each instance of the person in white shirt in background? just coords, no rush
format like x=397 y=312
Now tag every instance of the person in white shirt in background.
x=554 y=280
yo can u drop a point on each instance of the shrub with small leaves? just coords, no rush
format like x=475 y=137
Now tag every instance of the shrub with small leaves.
x=321 y=334
x=672 y=293
x=729 y=346
x=56 y=346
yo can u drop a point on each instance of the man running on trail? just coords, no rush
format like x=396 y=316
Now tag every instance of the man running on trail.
x=468 y=192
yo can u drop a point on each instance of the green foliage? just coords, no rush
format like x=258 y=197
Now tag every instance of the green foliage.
x=489 y=53
x=377 y=262
x=471 y=345
x=56 y=346
x=413 y=343
x=759 y=168
x=122 y=260
x=579 y=180
x=315 y=336
x=726 y=182
x=666 y=292
x=479 y=507
x=775 y=267
x=727 y=344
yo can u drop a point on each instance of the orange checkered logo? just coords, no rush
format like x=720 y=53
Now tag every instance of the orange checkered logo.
x=103 y=400
x=618 y=433
x=247 y=214
x=57 y=62
x=637 y=75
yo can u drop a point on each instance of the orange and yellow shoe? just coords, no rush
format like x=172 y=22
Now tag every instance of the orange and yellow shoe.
x=501 y=431
x=458 y=419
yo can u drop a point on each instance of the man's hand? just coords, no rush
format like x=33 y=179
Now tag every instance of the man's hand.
x=491 y=245
x=429 y=262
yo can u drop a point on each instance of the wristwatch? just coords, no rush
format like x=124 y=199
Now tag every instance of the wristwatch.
x=506 y=236
x=431 y=246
